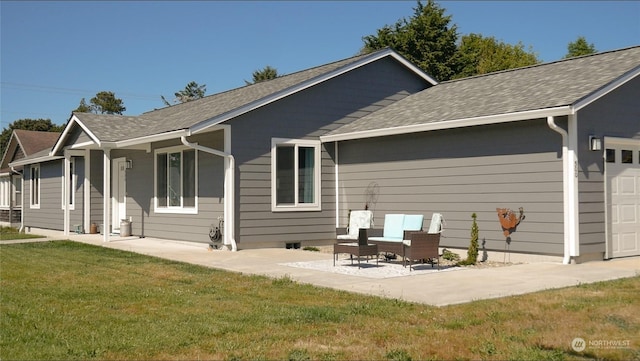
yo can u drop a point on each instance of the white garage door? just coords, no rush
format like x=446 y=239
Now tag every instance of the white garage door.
x=622 y=171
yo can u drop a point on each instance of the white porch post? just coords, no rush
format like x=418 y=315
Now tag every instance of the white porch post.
x=66 y=180
x=87 y=191
x=106 y=192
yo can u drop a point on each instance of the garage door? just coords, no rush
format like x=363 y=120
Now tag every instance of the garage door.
x=622 y=170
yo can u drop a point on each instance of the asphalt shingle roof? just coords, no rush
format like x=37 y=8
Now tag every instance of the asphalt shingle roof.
x=112 y=128
x=536 y=87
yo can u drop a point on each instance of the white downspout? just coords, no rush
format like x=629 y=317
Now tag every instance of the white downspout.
x=229 y=185
x=566 y=180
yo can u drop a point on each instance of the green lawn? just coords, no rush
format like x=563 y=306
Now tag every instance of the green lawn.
x=65 y=300
x=9 y=233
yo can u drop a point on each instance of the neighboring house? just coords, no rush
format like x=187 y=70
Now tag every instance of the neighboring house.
x=251 y=156
x=23 y=143
x=561 y=140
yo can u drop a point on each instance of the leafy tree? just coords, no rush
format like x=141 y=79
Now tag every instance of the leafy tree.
x=481 y=55
x=191 y=91
x=43 y=125
x=426 y=39
x=103 y=102
x=267 y=73
x=83 y=107
x=580 y=47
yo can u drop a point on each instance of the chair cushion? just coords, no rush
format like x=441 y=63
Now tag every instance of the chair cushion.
x=413 y=222
x=436 y=223
x=393 y=226
x=357 y=220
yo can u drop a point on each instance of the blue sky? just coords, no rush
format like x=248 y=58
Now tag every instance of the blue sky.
x=55 y=53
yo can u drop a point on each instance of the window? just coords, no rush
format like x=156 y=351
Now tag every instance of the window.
x=295 y=175
x=626 y=156
x=176 y=183
x=34 y=186
x=5 y=191
x=610 y=156
x=17 y=191
x=70 y=184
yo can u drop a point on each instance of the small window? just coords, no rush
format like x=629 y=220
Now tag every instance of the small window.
x=626 y=157
x=34 y=186
x=295 y=175
x=70 y=184
x=610 y=156
x=17 y=191
x=176 y=184
x=5 y=187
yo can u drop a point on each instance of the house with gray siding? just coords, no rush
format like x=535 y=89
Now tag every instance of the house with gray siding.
x=250 y=157
x=284 y=161
x=560 y=140
x=23 y=143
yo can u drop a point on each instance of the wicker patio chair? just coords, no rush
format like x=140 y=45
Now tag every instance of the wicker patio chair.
x=423 y=246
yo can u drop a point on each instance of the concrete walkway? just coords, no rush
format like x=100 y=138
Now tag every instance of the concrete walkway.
x=438 y=289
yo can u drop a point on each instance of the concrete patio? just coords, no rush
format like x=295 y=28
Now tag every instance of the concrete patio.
x=433 y=288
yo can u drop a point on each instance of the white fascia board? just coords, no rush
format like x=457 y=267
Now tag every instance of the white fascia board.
x=450 y=124
x=305 y=85
x=6 y=150
x=607 y=89
x=67 y=129
x=176 y=134
x=622 y=141
x=42 y=159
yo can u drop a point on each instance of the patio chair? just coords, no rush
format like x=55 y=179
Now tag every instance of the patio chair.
x=357 y=220
x=422 y=246
x=355 y=242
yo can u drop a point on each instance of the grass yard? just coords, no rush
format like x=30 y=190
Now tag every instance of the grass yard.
x=65 y=300
x=10 y=233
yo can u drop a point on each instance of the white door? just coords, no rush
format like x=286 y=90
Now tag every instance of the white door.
x=622 y=171
x=118 y=193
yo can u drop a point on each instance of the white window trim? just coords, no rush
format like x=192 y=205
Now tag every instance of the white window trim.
x=35 y=203
x=297 y=207
x=65 y=184
x=15 y=192
x=174 y=209
x=5 y=192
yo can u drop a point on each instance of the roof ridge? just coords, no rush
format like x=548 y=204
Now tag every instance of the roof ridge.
x=541 y=64
x=271 y=80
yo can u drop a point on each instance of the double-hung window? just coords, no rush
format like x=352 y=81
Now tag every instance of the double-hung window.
x=176 y=180
x=295 y=175
x=34 y=186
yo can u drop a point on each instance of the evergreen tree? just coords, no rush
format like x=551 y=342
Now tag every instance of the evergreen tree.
x=580 y=47
x=426 y=39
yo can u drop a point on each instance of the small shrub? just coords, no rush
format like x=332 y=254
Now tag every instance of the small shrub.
x=472 y=253
x=450 y=256
x=312 y=249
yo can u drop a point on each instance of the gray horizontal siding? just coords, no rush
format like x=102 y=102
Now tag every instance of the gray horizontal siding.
x=460 y=172
x=97 y=180
x=49 y=215
x=616 y=115
x=140 y=193
x=305 y=115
